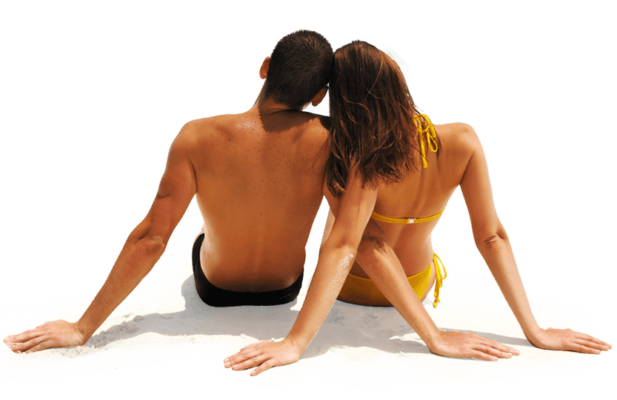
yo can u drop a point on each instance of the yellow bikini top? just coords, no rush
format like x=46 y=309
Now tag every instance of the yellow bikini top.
x=431 y=141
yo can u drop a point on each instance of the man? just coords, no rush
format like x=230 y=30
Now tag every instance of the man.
x=258 y=179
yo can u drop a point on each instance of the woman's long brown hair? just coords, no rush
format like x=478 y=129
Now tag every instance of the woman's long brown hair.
x=372 y=115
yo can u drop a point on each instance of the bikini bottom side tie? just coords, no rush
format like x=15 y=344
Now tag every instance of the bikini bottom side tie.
x=438 y=277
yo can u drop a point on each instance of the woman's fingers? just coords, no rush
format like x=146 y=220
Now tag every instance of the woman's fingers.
x=498 y=349
x=598 y=342
x=491 y=350
x=249 y=363
x=585 y=346
x=567 y=339
x=457 y=344
x=494 y=352
x=245 y=358
x=485 y=357
x=508 y=350
x=41 y=346
x=266 y=355
x=263 y=367
x=244 y=354
x=498 y=346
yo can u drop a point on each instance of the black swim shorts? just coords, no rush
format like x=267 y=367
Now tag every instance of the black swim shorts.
x=216 y=297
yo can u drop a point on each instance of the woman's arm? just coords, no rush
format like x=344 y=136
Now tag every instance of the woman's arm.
x=492 y=242
x=489 y=233
x=339 y=249
x=335 y=261
x=379 y=261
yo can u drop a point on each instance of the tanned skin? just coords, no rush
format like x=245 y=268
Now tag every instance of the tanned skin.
x=288 y=199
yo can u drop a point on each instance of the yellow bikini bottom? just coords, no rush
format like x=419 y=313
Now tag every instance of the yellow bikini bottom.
x=363 y=291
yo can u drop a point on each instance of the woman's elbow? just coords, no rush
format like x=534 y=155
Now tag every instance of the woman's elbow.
x=373 y=242
x=488 y=240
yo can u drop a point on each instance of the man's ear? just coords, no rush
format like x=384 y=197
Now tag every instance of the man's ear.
x=319 y=96
x=263 y=71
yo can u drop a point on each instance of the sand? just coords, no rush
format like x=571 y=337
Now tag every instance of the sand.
x=356 y=347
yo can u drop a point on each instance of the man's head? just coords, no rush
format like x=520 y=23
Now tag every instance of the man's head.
x=299 y=68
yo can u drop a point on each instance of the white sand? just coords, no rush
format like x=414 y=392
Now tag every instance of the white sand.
x=356 y=347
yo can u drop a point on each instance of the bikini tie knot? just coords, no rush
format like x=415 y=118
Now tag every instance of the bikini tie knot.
x=424 y=125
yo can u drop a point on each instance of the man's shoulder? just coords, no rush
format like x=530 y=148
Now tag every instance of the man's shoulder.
x=325 y=121
x=320 y=121
x=209 y=124
x=206 y=129
x=318 y=125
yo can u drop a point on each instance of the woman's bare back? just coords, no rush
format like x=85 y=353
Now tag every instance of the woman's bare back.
x=422 y=193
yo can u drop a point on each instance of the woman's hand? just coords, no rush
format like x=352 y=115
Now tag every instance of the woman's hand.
x=51 y=334
x=265 y=355
x=470 y=345
x=567 y=339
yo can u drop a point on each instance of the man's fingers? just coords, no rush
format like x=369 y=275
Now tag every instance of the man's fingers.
x=24 y=346
x=22 y=337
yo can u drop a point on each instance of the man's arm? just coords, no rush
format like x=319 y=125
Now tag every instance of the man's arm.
x=143 y=248
x=146 y=244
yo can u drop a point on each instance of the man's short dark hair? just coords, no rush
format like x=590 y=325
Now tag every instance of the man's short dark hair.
x=300 y=66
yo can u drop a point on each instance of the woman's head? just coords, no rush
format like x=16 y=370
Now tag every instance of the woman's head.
x=372 y=118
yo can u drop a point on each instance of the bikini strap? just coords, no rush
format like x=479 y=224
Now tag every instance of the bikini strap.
x=389 y=220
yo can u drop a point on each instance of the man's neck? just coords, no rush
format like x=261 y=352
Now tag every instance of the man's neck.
x=269 y=106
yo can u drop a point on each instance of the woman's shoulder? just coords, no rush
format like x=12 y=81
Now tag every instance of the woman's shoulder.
x=456 y=131
x=458 y=136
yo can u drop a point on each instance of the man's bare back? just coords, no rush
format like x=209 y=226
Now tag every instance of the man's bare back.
x=259 y=185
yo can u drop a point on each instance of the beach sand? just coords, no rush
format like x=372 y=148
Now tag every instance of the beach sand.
x=356 y=347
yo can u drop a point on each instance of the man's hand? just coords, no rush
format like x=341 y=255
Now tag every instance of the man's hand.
x=265 y=355
x=470 y=345
x=567 y=339
x=51 y=334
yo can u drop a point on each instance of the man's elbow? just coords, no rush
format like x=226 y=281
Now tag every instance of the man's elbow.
x=147 y=237
x=158 y=242
x=149 y=245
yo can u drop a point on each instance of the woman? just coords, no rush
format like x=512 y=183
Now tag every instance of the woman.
x=385 y=154
x=376 y=119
